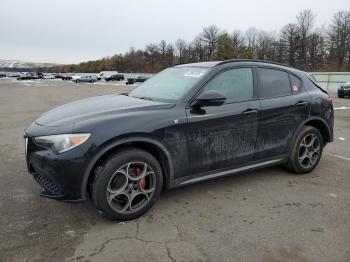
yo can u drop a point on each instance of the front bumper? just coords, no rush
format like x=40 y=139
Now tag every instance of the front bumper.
x=60 y=175
x=344 y=92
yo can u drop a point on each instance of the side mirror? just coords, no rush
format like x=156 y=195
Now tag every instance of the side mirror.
x=209 y=98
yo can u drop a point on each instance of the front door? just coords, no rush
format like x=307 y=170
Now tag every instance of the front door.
x=223 y=137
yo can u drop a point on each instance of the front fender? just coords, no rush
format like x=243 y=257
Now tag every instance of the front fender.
x=118 y=142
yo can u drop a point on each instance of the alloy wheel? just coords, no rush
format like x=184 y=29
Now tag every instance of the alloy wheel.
x=131 y=187
x=309 y=151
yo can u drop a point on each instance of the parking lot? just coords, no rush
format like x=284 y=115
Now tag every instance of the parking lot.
x=264 y=215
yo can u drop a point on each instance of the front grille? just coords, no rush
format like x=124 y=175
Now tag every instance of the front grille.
x=48 y=185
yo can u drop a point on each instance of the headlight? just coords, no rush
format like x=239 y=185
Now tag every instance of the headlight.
x=62 y=143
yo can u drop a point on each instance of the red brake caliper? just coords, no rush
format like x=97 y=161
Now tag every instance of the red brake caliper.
x=138 y=172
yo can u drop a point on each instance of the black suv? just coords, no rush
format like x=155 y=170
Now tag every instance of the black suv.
x=186 y=124
x=116 y=77
x=133 y=80
x=344 y=90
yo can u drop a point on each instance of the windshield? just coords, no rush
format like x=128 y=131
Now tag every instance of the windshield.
x=170 y=84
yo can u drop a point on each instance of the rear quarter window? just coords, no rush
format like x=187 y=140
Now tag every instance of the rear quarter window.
x=273 y=83
x=296 y=83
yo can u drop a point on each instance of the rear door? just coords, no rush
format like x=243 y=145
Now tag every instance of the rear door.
x=284 y=106
x=221 y=137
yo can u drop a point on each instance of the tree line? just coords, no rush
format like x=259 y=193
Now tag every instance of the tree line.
x=300 y=44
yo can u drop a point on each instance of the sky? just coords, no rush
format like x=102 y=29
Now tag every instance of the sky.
x=72 y=31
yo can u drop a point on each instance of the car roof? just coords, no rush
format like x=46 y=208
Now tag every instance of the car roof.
x=232 y=61
x=199 y=64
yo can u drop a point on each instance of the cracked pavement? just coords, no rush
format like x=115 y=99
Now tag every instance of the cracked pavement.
x=264 y=215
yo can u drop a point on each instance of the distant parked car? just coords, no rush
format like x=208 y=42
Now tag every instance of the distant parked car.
x=133 y=80
x=344 y=90
x=54 y=75
x=2 y=75
x=115 y=77
x=14 y=74
x=57 y=75
x=26 y=76
x=35 y=76
x=40 y=75
x=49 y=76
x=66 y=76
x=104 y=74
x=85 y=78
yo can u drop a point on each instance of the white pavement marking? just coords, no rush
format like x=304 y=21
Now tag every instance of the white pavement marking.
x=342 y=108
x=337 y=156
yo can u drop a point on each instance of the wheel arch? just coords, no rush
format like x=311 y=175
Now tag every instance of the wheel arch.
x=321 y=126
x=152 y=146
x=318 y=123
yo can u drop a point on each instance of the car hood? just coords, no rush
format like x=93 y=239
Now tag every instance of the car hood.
x=71 y=113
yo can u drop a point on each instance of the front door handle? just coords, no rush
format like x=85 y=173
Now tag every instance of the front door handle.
x=301 y=103
x=250 y=111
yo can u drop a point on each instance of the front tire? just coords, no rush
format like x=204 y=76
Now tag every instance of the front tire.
x=127 y=184
x=306 y=152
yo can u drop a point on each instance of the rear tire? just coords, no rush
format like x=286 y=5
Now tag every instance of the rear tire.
x=306 y=151
x=127 y=184
x=340 y=96
x=77 y=81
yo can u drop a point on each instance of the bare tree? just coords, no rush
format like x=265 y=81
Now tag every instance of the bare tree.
x=162 y=47
x=251 y=36
x=339 y=37
x=209 y=37
x=290 y=38
x=181 y=46
x=152 y=54
x=305 y=23
x=238 y=43
x=169 y=55
x=317 y=49
x=198 y=50
x=264 y=45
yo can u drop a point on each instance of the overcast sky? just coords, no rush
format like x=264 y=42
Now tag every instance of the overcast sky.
x=71 y=31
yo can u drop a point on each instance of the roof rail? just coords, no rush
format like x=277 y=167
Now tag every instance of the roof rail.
x=252 y=60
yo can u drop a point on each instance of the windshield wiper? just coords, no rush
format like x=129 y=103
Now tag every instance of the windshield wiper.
x=145 y=98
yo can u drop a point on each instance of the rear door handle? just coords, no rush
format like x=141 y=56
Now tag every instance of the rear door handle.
x=250 y=111
x=301 y=103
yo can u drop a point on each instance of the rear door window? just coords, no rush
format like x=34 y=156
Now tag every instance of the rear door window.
x=273 y=83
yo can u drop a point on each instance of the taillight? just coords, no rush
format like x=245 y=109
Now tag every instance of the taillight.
x=330 y=100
